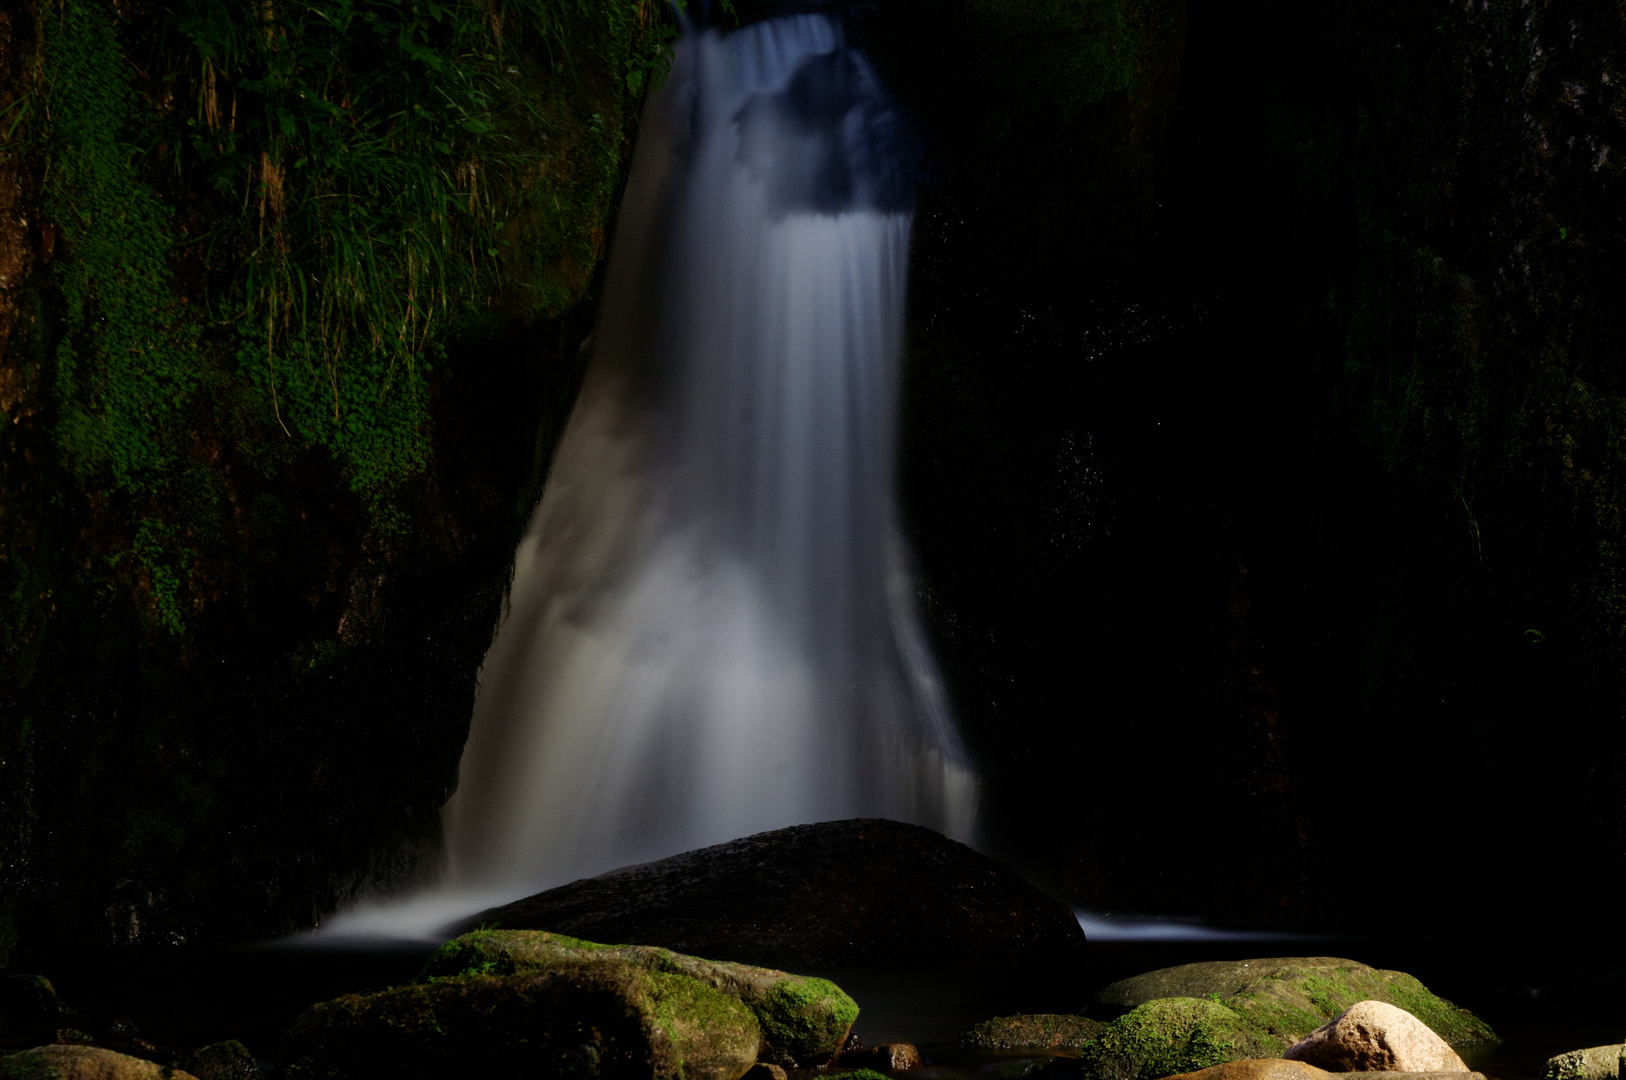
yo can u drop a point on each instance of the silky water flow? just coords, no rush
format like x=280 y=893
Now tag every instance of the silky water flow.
x=712 y=629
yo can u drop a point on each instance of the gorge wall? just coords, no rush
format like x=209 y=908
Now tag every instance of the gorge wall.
x=1270 y=507
x=291 y=313
x=1261 y=444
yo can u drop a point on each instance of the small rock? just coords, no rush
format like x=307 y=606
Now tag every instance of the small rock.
x=1051 y=1032
x=896 y=1057
x=1374 y=1036
x=1594 y=1063
x=764 y=1070
x=229 y=1060
x=82 y=1063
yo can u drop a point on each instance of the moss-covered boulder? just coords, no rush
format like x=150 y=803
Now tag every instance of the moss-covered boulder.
x=1593 y=1063
x=1174 y=1035
x=804 y=1020
x=1053 y=1033
x=227 y=1060
x=1289 y=997
x=585 y=1020
x=83 y=1063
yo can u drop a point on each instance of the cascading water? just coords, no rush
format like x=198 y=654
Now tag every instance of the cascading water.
x=712 y=629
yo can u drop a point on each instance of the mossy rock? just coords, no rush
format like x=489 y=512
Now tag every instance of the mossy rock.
x=228 y=1060
x=1593 y=1063
x=83 y=1063
x=1174 y=1035
x=584 y=1020
x=1056 y=1033
x=804 y=1020
x=1289 y=997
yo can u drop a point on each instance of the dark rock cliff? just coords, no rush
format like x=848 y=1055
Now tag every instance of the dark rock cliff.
x=290 y=318
x=1269 y=503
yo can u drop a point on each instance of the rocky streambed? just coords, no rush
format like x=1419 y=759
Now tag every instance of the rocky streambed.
x=524 y=1000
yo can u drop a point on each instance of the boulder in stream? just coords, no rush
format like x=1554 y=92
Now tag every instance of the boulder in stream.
x=1059 y=1033
x=228 y=1060
x=1174 y=1035
x=1278 y=1069
x=614 y=1022
x=1593 y=1063
x=1291 y=996
x=1374 y=1036
x=83 y=1063
x=804 y=1020
x=858 y=893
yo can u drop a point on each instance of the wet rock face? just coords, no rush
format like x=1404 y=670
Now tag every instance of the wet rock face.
x=1374 y=1036
x=836 y=894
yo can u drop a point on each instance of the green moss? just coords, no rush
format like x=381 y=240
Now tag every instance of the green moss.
x=1174 y=1035
x=804 y=1016
x=128 y=362
x=802 y=1019
x=861 y=1074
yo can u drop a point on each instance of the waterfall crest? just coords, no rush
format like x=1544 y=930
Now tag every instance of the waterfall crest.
x=712 y=629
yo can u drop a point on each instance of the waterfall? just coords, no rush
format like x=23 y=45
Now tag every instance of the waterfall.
x=712 y=629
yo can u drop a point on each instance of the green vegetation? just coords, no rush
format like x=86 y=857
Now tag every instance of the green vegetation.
x=1174 y=1035
x=302 y=325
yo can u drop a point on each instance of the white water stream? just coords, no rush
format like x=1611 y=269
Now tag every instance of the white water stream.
x=712 y=628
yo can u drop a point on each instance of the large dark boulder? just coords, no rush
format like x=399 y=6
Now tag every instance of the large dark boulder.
x=836 y=894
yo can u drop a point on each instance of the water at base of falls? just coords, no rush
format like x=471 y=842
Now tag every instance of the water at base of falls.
x=712 y=628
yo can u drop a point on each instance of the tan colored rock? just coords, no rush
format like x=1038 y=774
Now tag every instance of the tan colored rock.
x=1593 y=1063
x=1374 y=1036
x=765 y=1070
x=1280 y=1069
x=1257 y=1069
x=82 y=1063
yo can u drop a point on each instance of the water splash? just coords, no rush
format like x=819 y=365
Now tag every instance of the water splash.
x=712 y=629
